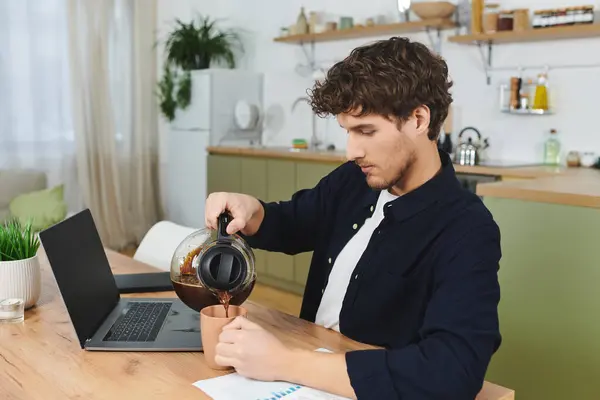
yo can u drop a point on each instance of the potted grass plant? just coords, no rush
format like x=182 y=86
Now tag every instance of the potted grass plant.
x=19 y=264
x=192 y=47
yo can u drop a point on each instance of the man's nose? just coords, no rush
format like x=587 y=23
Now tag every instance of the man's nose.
x=354 y=150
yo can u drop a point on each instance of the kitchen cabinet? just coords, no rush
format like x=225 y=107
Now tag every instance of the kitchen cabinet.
x=550 y=299
x=224 y=174
x=269 y=180
x=253 y=181
x=308 y=175
x=281 y=185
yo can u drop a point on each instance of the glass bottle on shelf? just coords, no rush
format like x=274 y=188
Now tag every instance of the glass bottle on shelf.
x=301 y=23
x=540 y=100
x=552 y=149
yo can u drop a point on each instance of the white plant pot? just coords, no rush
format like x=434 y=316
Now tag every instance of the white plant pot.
x=21 y=279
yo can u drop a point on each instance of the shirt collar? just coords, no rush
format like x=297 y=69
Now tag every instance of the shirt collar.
x=440 y=187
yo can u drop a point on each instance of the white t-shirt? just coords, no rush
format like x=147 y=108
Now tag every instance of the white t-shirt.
x=328 y=314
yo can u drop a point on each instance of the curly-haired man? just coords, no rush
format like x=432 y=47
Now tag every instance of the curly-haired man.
x=404 y=258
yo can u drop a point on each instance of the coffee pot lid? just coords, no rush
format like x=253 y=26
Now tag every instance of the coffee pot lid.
x=222 y=266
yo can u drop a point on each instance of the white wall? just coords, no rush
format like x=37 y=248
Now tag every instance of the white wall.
x=512 y=137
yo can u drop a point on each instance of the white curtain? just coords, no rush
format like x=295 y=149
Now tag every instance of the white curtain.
x=77 y=79
x=36 y=129
x=113 y=76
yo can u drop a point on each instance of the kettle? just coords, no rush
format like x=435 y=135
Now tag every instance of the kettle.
x=209 y=265
x=469 y=153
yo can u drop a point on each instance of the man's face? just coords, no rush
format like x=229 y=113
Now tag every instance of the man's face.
x=382 y=150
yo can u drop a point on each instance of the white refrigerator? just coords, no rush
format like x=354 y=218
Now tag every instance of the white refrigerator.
x=225 y=110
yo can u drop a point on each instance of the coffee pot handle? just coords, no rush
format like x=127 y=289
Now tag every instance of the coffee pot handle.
x=223 y=222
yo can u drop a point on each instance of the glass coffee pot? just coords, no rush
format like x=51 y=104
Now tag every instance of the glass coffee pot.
x=211 y=267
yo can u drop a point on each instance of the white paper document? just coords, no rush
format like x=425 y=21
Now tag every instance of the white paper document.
x=237 y=387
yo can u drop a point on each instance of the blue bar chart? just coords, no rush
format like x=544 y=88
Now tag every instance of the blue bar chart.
x=282 y=393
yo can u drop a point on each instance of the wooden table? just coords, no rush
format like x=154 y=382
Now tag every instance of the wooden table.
x=41 y=358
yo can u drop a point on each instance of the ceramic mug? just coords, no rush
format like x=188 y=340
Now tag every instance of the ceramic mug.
x=588 y=159
x=212 y=321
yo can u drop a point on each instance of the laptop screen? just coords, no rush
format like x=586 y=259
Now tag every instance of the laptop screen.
x=82 y=272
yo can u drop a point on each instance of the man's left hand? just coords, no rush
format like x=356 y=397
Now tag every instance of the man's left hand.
x=251 y=350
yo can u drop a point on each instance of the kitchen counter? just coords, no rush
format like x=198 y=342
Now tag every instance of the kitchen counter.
x=577 y=187
x=558 y=185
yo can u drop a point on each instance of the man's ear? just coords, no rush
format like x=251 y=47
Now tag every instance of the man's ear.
x=422 y=116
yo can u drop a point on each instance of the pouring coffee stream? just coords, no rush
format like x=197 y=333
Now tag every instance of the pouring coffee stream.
x=211 y=267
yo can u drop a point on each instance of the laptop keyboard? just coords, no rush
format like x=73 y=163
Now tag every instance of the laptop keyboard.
x=141 y=323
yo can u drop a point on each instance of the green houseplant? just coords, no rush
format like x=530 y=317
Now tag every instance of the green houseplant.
x=188 y=47
x=19 y=264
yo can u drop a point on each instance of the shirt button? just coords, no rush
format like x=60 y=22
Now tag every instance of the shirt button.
x=371 y=208
x=355 y=226
x=329 y=260
x=356 y=277
x=322 y=291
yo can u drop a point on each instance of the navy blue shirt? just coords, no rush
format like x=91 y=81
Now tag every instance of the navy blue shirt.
x=425 y=290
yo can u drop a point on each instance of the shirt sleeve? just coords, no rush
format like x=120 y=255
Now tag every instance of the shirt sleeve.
x=459 y=335
x=293 y=226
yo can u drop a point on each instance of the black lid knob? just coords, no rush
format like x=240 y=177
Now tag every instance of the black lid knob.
x=222 y=267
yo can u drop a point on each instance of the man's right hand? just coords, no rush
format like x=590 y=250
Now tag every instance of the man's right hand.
x=246 y=211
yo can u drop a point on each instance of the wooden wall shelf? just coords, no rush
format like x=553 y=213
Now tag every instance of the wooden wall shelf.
x=369 y=31
x=531 y=35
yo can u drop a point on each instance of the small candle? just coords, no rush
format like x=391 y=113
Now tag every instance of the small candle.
x=12 y=310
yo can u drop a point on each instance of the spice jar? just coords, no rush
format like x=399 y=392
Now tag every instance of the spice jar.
x=505 y=20
x=545 y=18
x=571 y=12
x=515 y=89
x=561 y=17
x=537 y=19
x=588 y=14
x=573 y=159
x=490 y=18
x=521 y=19
x=552 y=18
x=578 y=15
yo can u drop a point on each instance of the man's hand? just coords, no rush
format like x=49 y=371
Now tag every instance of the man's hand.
x=252 y=351
x=257 y=354
x=246 y=211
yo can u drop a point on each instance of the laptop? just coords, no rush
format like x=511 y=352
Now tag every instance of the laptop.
x=101 y=318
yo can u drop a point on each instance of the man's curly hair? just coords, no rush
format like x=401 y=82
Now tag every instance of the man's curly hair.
x=390 y=78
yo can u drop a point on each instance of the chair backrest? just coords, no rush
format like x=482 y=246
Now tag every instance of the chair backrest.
x=159 y=244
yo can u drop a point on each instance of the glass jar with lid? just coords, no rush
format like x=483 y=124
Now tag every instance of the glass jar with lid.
x=573 y=159
x=578 y=14
x=490 y=18
x=505 y=20
x=588 y=14
x=521 y=19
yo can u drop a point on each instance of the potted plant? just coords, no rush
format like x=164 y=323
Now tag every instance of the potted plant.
x=19 y=263
x=190 y=47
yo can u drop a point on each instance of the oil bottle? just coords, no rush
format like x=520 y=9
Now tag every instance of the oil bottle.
x=540 y=99
x=552 y=149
